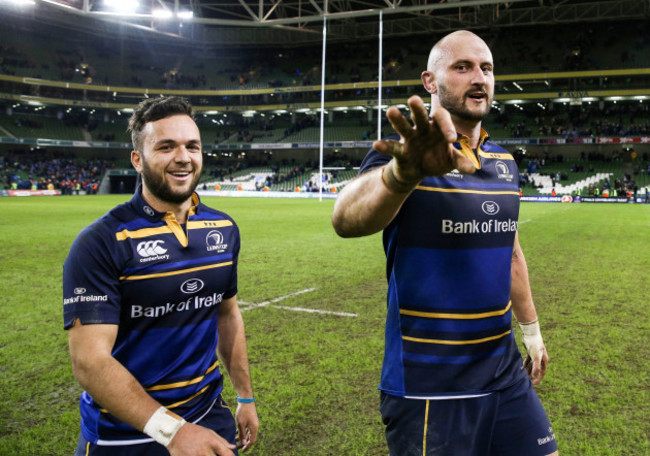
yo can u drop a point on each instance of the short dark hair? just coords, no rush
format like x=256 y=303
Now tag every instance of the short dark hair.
x=152 y=109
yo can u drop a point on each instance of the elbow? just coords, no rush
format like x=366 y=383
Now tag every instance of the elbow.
x=86 y=366
x=342 y=228
x=81 y=370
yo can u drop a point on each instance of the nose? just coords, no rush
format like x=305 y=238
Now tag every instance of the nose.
x=478 y=76
x=182 y=154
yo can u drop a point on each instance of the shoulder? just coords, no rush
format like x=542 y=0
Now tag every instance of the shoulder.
x=208 y=217
x=208 y=212
x=100 y=234
x=491 y=146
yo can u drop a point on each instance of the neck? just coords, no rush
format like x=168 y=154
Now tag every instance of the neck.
x=470 y=129
x=180 y=210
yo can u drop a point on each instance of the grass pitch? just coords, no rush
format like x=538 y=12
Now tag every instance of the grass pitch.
x=315 y=374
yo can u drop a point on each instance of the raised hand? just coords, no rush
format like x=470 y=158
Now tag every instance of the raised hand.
x=425 y=149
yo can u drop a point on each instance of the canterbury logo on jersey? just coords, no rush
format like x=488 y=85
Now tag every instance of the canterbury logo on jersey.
x=151 y=250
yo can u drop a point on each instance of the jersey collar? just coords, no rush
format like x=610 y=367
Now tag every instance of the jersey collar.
x=463 y=145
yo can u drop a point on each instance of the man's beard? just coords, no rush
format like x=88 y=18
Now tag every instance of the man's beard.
x=161 y=189
x=456 y=107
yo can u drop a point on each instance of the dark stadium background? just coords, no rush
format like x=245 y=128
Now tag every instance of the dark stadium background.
x=571 y=95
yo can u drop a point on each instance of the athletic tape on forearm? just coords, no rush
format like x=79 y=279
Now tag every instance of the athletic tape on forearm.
x=392 y=182
x=163 y=426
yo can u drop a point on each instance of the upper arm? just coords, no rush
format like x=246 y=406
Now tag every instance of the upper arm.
x=517 y=253
x=228 y=307
x=91 y=347
x=87 y=341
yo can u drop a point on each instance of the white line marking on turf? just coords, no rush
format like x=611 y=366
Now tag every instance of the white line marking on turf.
x=266 y=303
x=524 y=221
x=248 y=306
x=330 y=312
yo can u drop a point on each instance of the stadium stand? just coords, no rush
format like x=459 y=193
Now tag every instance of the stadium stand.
x=28 y=51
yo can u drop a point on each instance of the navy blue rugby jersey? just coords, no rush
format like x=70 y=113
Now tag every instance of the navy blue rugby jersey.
x=449 y=253
x=162 y=283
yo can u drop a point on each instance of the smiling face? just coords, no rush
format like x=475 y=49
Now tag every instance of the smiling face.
x=460 y=75
x=170 y=162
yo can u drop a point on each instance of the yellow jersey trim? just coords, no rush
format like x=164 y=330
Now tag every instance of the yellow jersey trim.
x=176 y=404
x=185 y=383
x=457 y=316
x=180 y=384
x=144 y=232
x=180 y=271
x=456 y=342
x=497 y=155
x=198 y=224
x=462 y=190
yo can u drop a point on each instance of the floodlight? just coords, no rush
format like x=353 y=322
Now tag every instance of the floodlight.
x=123 y=6
x=185 y=14
x=162 y=13
x=22 y=2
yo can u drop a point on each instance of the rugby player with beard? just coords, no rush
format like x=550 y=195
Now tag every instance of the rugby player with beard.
x=150 y=305
x=453 y=381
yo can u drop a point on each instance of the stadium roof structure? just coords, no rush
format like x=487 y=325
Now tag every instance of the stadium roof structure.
x=274 y=22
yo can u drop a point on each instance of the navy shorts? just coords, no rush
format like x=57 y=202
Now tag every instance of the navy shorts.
x=511 y=422
x=219 y=419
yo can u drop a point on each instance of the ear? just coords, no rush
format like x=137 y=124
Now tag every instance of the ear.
x=136 y=160
x=429 y=81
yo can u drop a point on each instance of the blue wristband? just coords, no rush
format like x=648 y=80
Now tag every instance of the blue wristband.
x=245 y=400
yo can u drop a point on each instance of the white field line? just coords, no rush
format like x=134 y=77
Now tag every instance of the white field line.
x=524 y=221
x=329 y=312
x=244 y=306
x=266 y=303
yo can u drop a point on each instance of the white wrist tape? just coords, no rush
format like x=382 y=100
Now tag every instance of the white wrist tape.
x=532 y=338
x=163 y=426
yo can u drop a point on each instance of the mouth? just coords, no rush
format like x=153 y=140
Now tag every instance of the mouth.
x=477 y=95
x=181 y=175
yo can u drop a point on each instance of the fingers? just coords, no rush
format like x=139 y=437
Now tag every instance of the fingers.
x=399 y=122
x=224 y=447
x=388 y=147
x=463 y=164
x=419 y=113
x=248 y=425
x=537 y=367
x=442 y=119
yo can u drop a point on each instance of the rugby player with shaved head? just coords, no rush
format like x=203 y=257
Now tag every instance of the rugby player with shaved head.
x=453 y=380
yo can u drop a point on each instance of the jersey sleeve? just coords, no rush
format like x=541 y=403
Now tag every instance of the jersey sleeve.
x=91 y=280
x=232 y=288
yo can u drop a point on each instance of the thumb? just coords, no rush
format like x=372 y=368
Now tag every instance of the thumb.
x=463 y=164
